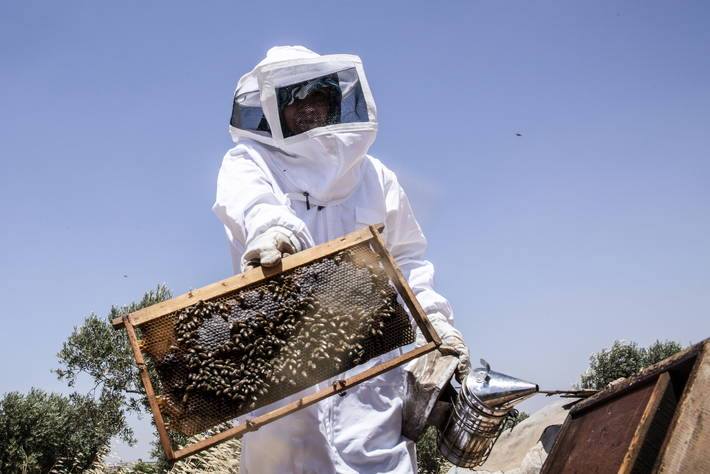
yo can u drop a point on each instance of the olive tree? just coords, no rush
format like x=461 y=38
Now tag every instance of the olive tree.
x=624 y=359
x=95 y=350
x=45 y=432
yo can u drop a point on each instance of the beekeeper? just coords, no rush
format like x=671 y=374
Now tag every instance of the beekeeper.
x=299 y=175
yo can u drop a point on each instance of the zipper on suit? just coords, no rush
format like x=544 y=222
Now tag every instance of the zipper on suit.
x=308 y=202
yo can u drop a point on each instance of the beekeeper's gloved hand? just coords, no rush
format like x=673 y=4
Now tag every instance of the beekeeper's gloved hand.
x=451 y=343
x=267 y=248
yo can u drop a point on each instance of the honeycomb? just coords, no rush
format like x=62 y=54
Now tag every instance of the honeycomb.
x=222 y=358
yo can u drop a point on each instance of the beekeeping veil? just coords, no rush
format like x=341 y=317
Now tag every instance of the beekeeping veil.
x=316 y=110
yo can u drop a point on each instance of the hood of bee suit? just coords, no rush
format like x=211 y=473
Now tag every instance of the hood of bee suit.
x=322 y=156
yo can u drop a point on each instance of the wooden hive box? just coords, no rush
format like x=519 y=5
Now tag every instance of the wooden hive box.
x=657 y=421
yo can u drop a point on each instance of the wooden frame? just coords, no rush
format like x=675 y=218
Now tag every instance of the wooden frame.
x=369 y=234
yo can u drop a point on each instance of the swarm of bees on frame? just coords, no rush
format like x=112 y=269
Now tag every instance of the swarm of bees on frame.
x=292 y=331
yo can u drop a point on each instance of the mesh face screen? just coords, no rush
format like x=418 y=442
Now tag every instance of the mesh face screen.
x=247 y=114
x=225 y=357
x=322 y=101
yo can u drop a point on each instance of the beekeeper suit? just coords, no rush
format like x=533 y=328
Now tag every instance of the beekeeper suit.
x=299 y=176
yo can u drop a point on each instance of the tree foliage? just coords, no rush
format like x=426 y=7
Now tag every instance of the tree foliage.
x=98 y=351
x=515 y=418
x=42 y=432
x=660 y=350
x=429 y=460
x=624 y=359
x=52 y=433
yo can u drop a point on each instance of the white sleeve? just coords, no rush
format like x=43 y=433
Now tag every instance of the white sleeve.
x=407 y=244
x=247 y=203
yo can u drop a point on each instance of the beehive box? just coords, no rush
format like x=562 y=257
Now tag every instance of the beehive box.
x=222 y=351
x=651 y=422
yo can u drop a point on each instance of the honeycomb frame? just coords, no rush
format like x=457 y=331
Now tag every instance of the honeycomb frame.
x=161 y=326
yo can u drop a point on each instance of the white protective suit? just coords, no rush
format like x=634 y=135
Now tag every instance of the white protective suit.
x=313 y=187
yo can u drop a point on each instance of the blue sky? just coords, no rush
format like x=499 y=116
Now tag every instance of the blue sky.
x=591 y=226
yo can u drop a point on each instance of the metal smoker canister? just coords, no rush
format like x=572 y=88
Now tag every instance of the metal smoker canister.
x=484 y=402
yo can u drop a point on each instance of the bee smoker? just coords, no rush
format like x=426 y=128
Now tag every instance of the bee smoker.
x=483 y=404
x=468 y=419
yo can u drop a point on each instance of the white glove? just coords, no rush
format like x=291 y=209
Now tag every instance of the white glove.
x=451 y=342
x=267 y=248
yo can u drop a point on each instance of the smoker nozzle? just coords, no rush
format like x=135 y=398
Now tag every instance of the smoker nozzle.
x=496 y=390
